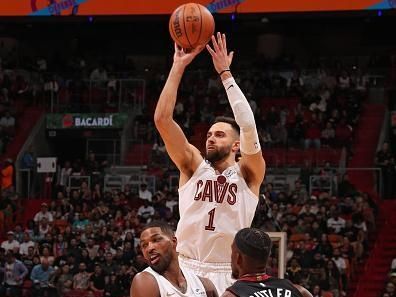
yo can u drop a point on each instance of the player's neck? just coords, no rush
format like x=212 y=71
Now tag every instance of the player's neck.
x=222 y=165
x=175 y=276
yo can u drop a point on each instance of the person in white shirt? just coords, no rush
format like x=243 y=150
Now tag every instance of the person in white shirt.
x=393 y=265
x=146 y=211
x=10 y=244
x=336 y=223
x=144 y=193
x=24 y=246
x=43 y=213
x=7 y=121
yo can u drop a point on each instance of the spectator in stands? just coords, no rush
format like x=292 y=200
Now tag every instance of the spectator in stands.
x=345 y=187
x=384 y=161
x=7 y=176
x=10 y=244
x=26 y=244
x=97 y=280
x=343 y=135
x=144 y=193
x=64 y=283
x=43 y=214
x=14 y=274
x=336 y=223
x=81 y=279
x=312 y=133
x=99 y=74
x=344 y=80
x=393 y=266
x=390 y=288
x=294 y=271
x=327 y=135
x=295 y=84
x=40 y=277
x=7 y=121
x=278 y=134
x=331 y=280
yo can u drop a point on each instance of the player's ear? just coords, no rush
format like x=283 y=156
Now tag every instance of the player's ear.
x=235 y=146
x=174 y=241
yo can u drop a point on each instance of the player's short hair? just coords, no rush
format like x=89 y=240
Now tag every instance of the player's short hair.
x=228 y=120
x=165 y=227
x=254 y=243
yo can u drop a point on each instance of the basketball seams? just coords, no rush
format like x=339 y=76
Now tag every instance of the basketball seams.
x=184 y=25
x=200 y=27
x=174 y=36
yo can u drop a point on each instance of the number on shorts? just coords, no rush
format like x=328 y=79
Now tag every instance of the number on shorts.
x=210 y=226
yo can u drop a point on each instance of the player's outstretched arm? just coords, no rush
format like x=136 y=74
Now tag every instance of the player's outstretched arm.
x=144 y=285
x=303 y=291
x=252 y=162
x=186 y=157
x=209 y=287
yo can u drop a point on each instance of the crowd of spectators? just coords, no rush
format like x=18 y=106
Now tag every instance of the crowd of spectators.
x=84 y=241
x=327 y=234
x=319 y=107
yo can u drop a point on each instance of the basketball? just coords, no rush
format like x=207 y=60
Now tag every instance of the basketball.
x=191 y=25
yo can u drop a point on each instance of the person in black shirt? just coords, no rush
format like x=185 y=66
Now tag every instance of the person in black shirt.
x=97 y=280
x=250 y=251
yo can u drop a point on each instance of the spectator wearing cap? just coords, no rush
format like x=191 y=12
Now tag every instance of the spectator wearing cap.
x=43 y=213
x=14 y=273
x=26 y=243
x=10 y=244
x=144 y=193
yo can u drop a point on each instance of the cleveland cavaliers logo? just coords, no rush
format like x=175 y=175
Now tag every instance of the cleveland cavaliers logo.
x=213 y=191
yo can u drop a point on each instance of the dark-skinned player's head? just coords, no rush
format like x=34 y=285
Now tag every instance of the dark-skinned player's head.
x=222 y=139
x=158 y=245
x=250 y=251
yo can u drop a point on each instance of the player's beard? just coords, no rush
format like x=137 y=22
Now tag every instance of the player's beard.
x=214 y=156
x=163 y=263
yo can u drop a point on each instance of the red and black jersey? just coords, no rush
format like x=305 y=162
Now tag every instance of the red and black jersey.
x=264 y=286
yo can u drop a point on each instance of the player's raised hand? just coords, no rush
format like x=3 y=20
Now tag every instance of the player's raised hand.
x=183 y=57
x=220 y=56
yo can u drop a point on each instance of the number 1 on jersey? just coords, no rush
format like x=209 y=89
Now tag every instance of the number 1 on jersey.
x=210 y=226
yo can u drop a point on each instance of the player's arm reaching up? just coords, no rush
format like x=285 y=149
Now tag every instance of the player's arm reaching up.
x=186 y=157
x=252 y=162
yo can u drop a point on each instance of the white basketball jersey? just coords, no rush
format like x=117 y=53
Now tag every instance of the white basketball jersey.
x=195 y=287
x=213 y=208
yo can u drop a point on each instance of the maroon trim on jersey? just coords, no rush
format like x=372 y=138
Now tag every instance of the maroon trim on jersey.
x=255 y=278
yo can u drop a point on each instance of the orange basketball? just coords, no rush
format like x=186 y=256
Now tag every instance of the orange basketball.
x=191 y=25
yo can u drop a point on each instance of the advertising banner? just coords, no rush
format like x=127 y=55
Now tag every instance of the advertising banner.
x=86 y=121
x=155 y=7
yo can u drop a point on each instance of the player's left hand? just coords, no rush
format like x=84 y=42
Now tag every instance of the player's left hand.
x=221 y=58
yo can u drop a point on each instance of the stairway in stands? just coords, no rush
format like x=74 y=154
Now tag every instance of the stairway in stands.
x=364 y=147
x=369 y=278
x=375 y=273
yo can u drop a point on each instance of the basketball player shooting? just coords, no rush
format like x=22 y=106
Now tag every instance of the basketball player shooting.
x=217 y=195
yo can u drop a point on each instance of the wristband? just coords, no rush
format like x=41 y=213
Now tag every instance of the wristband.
x=225 y=70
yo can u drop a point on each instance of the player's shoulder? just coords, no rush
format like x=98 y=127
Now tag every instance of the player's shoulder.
x=145 y=282
x=144 y=277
